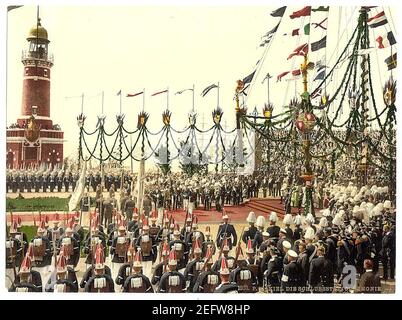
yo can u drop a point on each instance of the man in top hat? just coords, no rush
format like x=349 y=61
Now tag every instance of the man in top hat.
x=172 y=281
x=226 y=231
x=291 y=277
x=225 y=286
x=243 y=276
x=273 y=229
x=273 y=272
x=208 y=242
x=148 y=248
x=118 y=249
x=71 y=247
x=207 y=279
x=180 y=247
x=62 y=283
x=194 y=267
x=100 y=281
x=251 y=230
x=137 y=282
x=321 y=275
x=27 y=280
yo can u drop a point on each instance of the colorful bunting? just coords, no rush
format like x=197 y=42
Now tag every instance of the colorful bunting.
x=378 y=20
x=386 y=40
x=319 y=44
x=306 y=11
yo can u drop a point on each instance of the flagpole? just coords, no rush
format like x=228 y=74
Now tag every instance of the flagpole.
x=218 y=95
x=193 y=98
x=167 y=98
x=82 y=103
x=120 y=101
x=103 y=99
x=143 y=99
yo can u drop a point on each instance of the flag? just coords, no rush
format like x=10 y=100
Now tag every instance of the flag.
x=272 y=31
x=320 y=67
x=316 y=93
x=244 y=90
x=378 y=20
x=299 y=51
x=181 y=91
x=307 y=29
x=320 y=75
x=316 y=25
x=156 y=93
x=269 y=35
x=134 y=94
x=249 y=78
x=118 y=93
x=386 y=40
x=9 y=8
x=391 y=62
x=278 y=12
x=281 y=75
x=321 y=8
x=207 y=89
x=319 y=44
x=306 y=11
x=296 y=74
x=79 y=189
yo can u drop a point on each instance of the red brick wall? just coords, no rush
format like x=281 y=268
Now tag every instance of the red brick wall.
x=36 y=92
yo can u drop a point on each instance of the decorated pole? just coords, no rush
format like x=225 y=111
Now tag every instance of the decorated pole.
x=364 y=98
x=305 y=123
x=239 y=155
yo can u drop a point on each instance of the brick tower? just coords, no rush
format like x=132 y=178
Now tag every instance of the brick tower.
x=34 y=139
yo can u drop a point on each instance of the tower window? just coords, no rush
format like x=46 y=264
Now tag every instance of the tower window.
x=45 y=72
x=26 y=71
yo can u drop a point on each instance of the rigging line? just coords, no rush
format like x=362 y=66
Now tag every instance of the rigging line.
x=264 y=55
x=130 y=132
x=132 y=148
x=154 y=134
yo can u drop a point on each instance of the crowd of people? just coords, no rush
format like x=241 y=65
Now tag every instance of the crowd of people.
x=138 y=252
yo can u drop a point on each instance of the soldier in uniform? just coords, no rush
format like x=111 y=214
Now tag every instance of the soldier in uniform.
x=180 y=247
x=154 y=229
x=208 y=242
x=137 y=282
x=56 y=232
x=107 y=212
x=62 y=283
x=59 y=181
x=128 y=208
x=258 y=238
x=224 y=253
x=66 y=182
x=297 y=232
x=29 y=183
x=78 y=231
x=172 y=281
x=161 y=267
x=27 y=280
x=226 y=286
x=100 y=281
x=14 y=255
x=292 y=275
x=273 y=273
x=92 y=241
x=208 y=279
x=148 y=249
x=226 y=231
x=71 y=247
x=125 y=269
x=194 y=267
x=321 y=275
x=273 y=229
x=41 y=252
x=251 y=230
x=52 y=182
x=118 y=250
x=14 y=184
x=242 y=275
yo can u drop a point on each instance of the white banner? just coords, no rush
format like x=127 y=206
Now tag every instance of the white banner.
x=79 y=189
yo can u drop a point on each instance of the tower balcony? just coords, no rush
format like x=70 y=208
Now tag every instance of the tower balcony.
x=37 y=55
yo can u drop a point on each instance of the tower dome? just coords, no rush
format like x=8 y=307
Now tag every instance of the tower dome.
x=38 y=32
